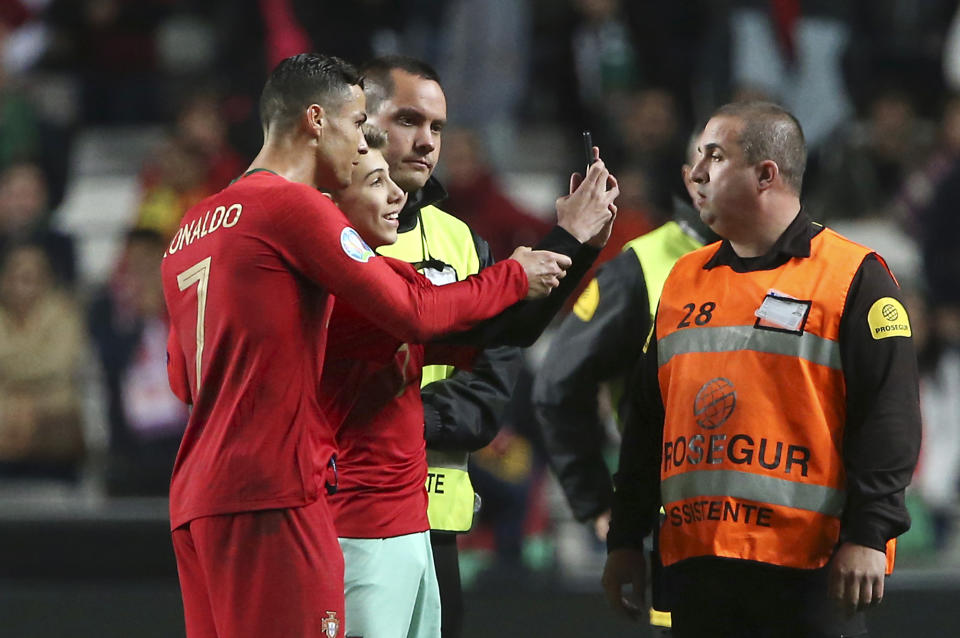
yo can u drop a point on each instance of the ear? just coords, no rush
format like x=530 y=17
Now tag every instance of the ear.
x=767 y=174
x=314 y=119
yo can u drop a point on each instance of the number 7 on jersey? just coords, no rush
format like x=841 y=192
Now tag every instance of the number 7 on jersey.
x=199 y=274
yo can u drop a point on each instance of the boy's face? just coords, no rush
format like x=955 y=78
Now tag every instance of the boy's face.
x=372 y=202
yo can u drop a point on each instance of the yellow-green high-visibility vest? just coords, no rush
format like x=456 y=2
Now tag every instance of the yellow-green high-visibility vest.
x=445 y=238
x=658 y=251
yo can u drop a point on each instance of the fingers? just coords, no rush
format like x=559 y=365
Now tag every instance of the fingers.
x=562 y=261
x=519 y=251
x=855 y=590
x=597 y=175
x=544 y=269
x=851 y=591
x=871 y=592
x=612 y=182
x=613 y=192
x=856 y=576
x=878 y=590
x=625 y=566
x=575 y=180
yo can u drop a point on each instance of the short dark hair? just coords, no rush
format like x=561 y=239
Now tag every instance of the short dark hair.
x=302 y=80
x=375 y=137
x=377 y=83
x=770 y=132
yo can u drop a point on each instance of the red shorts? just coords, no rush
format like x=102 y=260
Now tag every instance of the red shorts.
x=261 y=574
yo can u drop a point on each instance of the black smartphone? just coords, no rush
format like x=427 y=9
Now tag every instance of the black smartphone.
x=588 y=148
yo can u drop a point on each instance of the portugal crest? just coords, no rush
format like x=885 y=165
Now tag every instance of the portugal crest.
x=330 y=624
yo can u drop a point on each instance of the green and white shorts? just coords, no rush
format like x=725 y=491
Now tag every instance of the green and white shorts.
x=390 y=587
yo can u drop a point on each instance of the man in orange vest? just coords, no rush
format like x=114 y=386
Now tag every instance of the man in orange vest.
x=775 y=413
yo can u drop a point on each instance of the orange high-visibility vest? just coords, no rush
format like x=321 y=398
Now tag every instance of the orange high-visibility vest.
x=755 y=399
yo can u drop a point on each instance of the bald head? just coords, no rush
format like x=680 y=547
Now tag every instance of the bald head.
x=770 y=132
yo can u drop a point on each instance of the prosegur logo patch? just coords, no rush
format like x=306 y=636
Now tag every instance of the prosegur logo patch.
x=714 y=403
x=354 y=246
x=888 y=318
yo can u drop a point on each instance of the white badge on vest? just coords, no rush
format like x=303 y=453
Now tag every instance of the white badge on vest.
x=439 y=273
x=782 y=311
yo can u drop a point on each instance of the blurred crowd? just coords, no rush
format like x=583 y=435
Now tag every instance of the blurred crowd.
x=875 y=84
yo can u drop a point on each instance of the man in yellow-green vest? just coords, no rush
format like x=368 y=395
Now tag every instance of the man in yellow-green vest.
x=600 y=343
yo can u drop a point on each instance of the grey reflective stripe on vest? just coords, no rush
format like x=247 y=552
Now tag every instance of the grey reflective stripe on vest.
x=733 y=338
x=754 y=487
x=451 y=460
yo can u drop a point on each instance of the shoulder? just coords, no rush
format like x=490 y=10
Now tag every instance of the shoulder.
x=849 y=254
x=658 y=234
x=272 y=189
x=624 y=264
x=831 y=236
x=700 y=256
x=285 y=200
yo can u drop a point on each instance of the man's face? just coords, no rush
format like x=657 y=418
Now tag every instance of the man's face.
x=724 y=184
x=372 y=202
x=341 y=144
x=413 y=117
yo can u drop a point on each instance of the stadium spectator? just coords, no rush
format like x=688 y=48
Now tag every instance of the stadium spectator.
x=110 y=46
x=898 y=43
x=484 y=44
x=129 y=328
x=951 y=54
x=20 y=126
x=863 y=168
x=41 y=345
x=649 y=137
x=938 y=472
x=793 y=52
x=928 y=204
x=920 y=187
x=508 y=475
x=195 y=161
x=605 y=63
x=24 y=216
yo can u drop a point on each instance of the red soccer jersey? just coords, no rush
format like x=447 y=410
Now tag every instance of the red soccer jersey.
x=248 y=280
x=371 y=383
